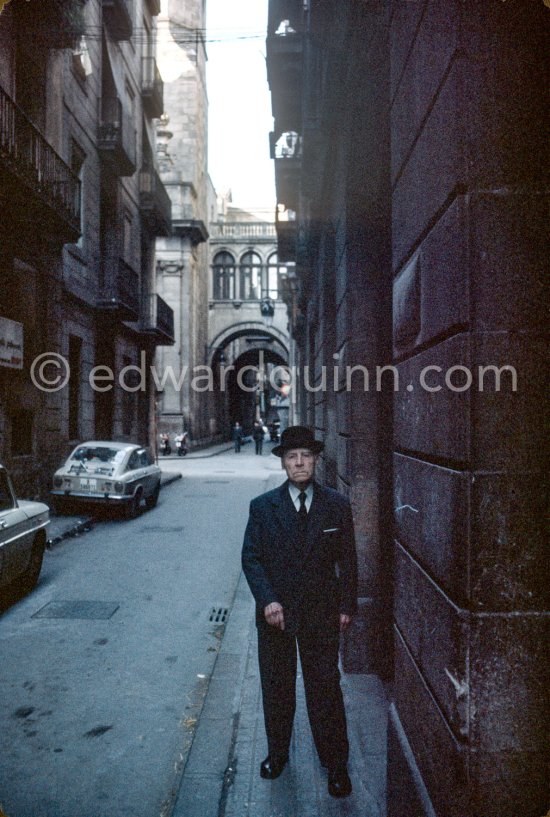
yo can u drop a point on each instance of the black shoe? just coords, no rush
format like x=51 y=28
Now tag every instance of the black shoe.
x=339 y=784
x=272 y=767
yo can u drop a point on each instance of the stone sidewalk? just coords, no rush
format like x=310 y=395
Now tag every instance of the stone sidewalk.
x=221 y=776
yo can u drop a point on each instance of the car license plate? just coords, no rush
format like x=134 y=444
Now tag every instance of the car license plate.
x=89 y=484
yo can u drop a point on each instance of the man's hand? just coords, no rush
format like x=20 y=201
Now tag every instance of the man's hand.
x=345 y=621
x=274 y=615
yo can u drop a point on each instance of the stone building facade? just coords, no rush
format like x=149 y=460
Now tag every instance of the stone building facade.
x=81 y=204
x=182 y=265
x=412 y=183
x=248 y=320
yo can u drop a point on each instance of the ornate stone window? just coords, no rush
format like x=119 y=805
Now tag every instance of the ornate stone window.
x=274 y=270
x=223 y=270
x=251 y=277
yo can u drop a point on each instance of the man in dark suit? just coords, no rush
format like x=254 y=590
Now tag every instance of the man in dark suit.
x=300 y=563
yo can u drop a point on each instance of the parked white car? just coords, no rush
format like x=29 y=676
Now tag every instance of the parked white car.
x=108 y=473
x=22 y=539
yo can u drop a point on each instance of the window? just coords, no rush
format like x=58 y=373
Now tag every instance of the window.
x=127 y=228
x=21 y=433
x=30 y=79
x=75 y=351
x=274 y=270
x=82 y=64
x=251 y=277
x=134 y=462
x=78 y=158
x=224 y=276
x=128 y=403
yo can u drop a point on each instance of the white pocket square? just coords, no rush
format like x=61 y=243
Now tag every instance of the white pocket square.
x=330 y=530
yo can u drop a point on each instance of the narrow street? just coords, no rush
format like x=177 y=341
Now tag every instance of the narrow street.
x=99 y=707
x=121 y=697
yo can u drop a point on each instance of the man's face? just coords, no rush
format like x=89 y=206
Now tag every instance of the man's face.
x=299 y=464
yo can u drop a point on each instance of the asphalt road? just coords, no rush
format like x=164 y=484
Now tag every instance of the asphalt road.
x=99 y=702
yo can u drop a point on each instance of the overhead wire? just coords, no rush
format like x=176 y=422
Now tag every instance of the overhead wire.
x=182 y=34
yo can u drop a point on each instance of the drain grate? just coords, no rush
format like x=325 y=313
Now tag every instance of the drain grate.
x=218 y=615
x=77 y=609
x=217 y=481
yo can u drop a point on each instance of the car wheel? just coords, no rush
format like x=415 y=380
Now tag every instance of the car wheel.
x=28 y=580
x=152 y=500
x=133 y=506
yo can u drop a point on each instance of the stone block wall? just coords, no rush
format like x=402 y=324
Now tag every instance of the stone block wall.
x=468 y=231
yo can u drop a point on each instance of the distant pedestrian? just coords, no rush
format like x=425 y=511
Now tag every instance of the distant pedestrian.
x=258 y=434
x=237 y=436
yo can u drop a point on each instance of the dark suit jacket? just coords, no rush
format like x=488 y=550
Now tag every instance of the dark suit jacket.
x=313 y=581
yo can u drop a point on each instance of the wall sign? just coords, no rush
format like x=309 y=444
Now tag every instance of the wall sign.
x=11 y=344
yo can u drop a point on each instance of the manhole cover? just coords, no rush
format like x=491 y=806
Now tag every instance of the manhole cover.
x=78 y=609
x=218 y=615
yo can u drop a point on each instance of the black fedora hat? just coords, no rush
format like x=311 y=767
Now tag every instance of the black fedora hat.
x=297 y=437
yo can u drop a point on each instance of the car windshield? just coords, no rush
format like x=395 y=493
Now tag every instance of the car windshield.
x=98 y=459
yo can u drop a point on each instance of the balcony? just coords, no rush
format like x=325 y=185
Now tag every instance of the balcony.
x=117 y=15
x=152 y=88
x=117 y=141
x=285 y=224
x=158 y=322
x=120 y=293
x=250 y=230
x=154 y=202
x=285 y=16
x=37 y=189
x=284 y=74
x=287 y=152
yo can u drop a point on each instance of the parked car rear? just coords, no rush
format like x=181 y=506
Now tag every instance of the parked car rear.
x=108 y=474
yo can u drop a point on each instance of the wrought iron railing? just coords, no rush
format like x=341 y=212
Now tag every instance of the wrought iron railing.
x=33 y=160
x=153 y=197
x=127 y=285
x=163 y=316
x=152 y=86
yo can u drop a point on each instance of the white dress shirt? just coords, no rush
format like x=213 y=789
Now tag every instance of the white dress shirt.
x=295 y=495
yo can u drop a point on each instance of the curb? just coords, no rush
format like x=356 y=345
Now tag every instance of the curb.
x=201 y=791
x=167 y=477
x=197 y=453
x=80 y=525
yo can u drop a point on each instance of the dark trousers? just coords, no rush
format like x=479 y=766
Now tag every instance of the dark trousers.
x=325 y=705
x=259 y=444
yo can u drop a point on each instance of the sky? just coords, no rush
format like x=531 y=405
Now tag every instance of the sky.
x=239 y=103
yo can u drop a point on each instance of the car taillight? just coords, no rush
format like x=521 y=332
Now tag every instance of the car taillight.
x=119 y=487
x=58 y=482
